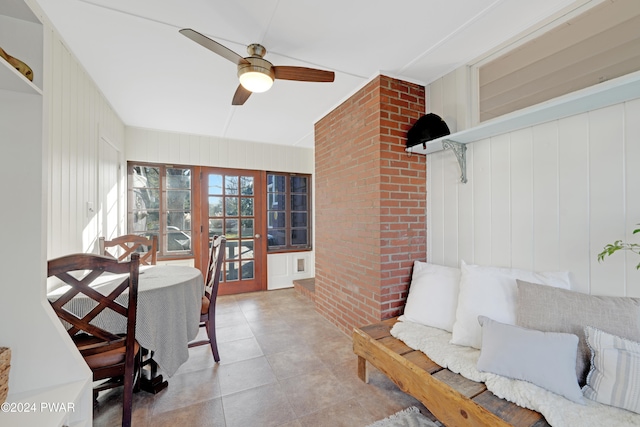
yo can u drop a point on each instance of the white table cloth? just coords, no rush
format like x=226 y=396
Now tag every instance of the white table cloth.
x=169 y=302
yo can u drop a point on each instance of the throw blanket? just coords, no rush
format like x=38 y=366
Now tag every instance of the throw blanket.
x=558 y=411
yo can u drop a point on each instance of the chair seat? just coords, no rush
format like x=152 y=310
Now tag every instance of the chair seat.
x=106 y=358
x=205 y=305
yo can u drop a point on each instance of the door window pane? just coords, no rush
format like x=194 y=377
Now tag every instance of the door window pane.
x=246 y=251
x=215 y=184
x=216 y=227
x=231 y=208
x=231 y=228
x=232 y=250
x=246 y=206
x=247 y=228
x=246 y=183
x=215 y=206
x=233 y=269
x=231 y=185
x=247 y=270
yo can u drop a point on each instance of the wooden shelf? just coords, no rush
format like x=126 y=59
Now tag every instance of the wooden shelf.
x=611 y=92
x=12 y=80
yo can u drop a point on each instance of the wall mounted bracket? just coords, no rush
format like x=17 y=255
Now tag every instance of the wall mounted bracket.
x=460 y=150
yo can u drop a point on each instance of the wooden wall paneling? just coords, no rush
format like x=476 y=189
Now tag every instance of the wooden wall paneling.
x=65 y=226
x=194 y=150
x=573 y=188
x=482 y=202
x=607 y=197
x=545 y=197
x=81 y=128
x=462 y=98
x=451 y=183
x=223 y=153
x=174 y=148
x=74 y=212
x=466 y=213
x=632 y=196
x=449 y=98
x=214 y=151
x=55 y=165
x=435 y=99
x=159 y=146
x=521 y=166
x=435 y=202
x=500 y=201
x=184 y=144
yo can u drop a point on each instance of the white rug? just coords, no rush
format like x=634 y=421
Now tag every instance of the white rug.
x=410 y=417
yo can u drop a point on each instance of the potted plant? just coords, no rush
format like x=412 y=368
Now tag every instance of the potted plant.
x=611 y=248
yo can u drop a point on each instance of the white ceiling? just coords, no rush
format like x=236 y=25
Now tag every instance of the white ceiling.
x=156 y=78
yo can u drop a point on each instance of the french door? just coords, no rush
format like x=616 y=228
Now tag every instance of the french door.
x=232 y=204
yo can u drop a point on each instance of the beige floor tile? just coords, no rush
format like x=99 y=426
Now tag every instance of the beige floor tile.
x=239 y=350
x=314 y=391
x=202 y=414
x=244 y=375
x=261 y=406
x=292 y=363
x=282 y=365
x=344 y=414
x=187 y=389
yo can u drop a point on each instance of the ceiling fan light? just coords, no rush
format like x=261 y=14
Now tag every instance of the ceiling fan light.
x=256 y=81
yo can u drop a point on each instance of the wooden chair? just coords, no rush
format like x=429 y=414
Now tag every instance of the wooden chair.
x=111 y=357
x=208 y=310
x=128 y=244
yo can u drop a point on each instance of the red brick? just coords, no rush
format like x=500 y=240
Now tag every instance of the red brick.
x=368 y=186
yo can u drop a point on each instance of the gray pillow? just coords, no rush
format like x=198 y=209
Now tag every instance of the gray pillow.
x=546 y=359
x=559 y=310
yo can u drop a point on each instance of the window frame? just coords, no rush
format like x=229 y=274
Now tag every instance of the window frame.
x=289 y=247
x=163 y=210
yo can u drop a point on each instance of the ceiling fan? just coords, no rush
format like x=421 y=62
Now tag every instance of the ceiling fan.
x=255 y=73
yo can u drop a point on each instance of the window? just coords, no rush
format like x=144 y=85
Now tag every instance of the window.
x=160 y=204
x=288 y=212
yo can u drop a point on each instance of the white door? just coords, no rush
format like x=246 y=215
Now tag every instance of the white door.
x=109 y=203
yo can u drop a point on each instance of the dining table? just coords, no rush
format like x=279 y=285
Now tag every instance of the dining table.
x=168 y=313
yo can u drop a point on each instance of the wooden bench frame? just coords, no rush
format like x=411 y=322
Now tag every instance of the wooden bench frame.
x=451 y=398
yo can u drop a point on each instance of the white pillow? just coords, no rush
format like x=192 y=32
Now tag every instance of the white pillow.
x=492 y=292
x=614 y=378
x=433 y=295
x=546 y=359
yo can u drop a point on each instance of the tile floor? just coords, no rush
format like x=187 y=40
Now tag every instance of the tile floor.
x=282 y=364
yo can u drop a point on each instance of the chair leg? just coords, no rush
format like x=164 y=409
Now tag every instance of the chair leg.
x=211 y=332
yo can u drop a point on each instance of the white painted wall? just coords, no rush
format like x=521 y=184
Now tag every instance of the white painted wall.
x=145 y=145
x=547 y=197
x=42 y=354
x=79 y=117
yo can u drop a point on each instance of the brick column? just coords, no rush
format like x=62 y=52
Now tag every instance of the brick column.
x=370 y=211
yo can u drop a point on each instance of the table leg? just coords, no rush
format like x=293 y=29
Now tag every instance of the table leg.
x=150 y=380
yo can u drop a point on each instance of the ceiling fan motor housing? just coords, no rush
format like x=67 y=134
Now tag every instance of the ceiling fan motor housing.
x=256 y=65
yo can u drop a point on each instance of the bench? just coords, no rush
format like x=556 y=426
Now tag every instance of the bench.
x=453 y=399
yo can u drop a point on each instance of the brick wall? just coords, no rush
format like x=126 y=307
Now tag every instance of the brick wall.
x=370 y=211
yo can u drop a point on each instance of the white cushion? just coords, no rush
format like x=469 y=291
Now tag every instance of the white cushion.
x=546 y=359
x=614 y=378
x=492 y=292
x=433 y=295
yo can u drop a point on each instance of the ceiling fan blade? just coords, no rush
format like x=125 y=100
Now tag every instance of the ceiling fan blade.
x=240 y=96
x=213 y=46
x=303 y=74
